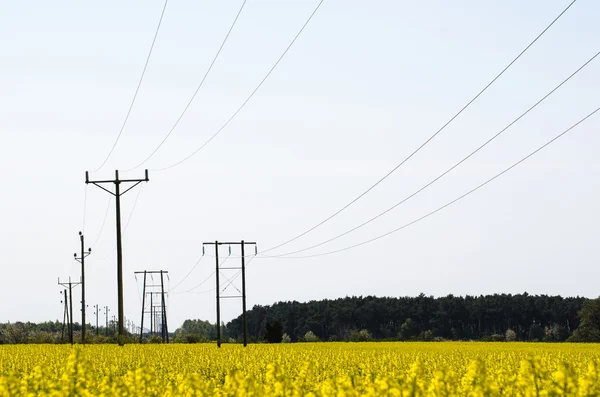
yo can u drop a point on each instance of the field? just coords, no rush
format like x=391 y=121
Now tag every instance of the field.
x=398 y=369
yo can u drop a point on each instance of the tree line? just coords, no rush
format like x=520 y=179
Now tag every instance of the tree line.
x=487 y=317
x=56 y=332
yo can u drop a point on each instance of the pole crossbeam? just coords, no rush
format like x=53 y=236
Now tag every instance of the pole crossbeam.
x=151 y=272
x=242 y=244
x=117 y=193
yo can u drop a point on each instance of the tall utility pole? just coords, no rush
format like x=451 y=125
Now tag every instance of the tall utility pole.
x=117 y=182
x=243 y=296
x=156 y=310
x=70 y=286
x=81 y=260
x=96 y=313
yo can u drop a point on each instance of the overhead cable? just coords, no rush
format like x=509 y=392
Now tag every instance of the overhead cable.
x=449 y=169
x=195 y=92
x=247 y=99
x=427 y=141
x=136 y=90
x=451 y=202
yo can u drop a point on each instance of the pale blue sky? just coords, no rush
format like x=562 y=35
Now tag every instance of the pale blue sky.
x=364 y=85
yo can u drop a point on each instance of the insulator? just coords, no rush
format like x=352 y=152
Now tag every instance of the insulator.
x=230 y=250
x=255 y=250
x=202 y=250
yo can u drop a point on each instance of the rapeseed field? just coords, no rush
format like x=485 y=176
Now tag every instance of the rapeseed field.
x=320 y=369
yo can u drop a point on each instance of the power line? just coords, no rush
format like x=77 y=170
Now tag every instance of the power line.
x=202 y=283
x=195 y=92
x=204 y=292
x=427 y=141
x=451 y=202
x=103 y=221
x=187 y=275
x=449 y=169
x=248 y=98
x=137 y=88
x=84 y=209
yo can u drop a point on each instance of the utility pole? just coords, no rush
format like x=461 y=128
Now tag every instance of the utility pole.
x=165 y=328
x=81 y=260
x=243 y=296
x=70 y=285
x=117 y=182
x=106 y=310
x=96 y=313
x=143 y=305
x=65 y=315
x=156 y=310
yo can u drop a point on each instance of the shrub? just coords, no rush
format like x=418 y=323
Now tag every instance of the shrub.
x=510 y=335
x=154 y=339
x=408 y=330
x=285 y=338
x=310 y=337
x=536 y=333
x=426 y=336
x=360 y=336
x=40 y=337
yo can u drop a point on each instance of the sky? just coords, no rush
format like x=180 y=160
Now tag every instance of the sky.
x=363 y=86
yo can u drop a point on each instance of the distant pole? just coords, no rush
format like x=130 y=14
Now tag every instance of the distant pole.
x=81 y=260
x=143 y=304
x=151 y=315
x=106 y=310
x=69 y=285
x=71 y=307
x=218 y=295
x=244 y=295
x=65 y=315
x=164 y=309
x=96 y=319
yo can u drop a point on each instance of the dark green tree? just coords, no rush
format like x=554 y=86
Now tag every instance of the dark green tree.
x=273 y=332
x=408 y=330
x=589 y=329
x=536 y=333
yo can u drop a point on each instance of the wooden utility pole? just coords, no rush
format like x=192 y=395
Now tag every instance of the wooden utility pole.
x=117 y=182
x=165 y=328
x=70 y=286
x=106 y=310
x=81 y=260
x=143 y=305
x=96 y=313
x=243 y=296
x=65 y=315
x=158 y=309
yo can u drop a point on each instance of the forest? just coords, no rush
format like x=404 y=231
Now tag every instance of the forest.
x=489 y=317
